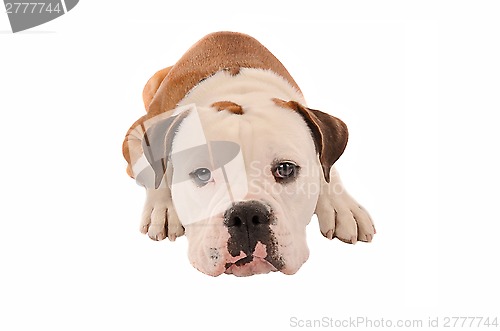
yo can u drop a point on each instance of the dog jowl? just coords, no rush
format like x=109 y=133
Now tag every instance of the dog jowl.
x=231 y=157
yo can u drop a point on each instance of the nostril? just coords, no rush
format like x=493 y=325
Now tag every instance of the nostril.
x=243 y=216
x=237 y=221
x=255 y=220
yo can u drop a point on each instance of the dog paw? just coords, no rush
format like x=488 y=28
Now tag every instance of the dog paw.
x=342 y=217
x=159 y=219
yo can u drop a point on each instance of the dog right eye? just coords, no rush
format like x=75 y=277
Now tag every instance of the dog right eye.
x=201 y=176
x=285 y=171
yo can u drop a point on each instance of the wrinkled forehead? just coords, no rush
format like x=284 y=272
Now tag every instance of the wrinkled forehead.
x=265 y=131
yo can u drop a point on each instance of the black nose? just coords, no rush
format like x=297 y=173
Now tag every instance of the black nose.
x=247 y=215
x=248 y=223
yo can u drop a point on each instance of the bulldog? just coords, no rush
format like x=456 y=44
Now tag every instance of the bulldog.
x=232 y=157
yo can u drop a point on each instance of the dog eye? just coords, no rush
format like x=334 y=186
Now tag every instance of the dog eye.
x=201 y=176
x=285 y=170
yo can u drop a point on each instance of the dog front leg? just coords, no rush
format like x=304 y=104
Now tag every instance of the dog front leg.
x=159 y=219
x=340 y=215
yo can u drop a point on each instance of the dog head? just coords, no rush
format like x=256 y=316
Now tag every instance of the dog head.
x=244 y=179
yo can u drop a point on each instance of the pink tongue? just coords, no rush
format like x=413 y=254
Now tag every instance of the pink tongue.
x=236 y=258
x=260 y=250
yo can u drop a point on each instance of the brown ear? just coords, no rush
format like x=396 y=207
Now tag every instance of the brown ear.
x=157 y=147
x=152 y=86
x=329 y=133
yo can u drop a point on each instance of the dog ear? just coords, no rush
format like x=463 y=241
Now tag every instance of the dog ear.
x=157 y=146
x=329 y=133
x=131 y=144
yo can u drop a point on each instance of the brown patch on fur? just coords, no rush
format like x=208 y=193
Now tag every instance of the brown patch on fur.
x=229 y=106
x=283 y=103
x=233 y=71
x=329 y=133
x=152 y=86
x=211 y=54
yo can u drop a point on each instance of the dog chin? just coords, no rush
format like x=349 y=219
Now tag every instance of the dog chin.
x=241 y=265
x=239 y=268
x=256 y=266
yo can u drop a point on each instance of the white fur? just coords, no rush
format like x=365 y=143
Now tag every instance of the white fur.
x=341 y=216
x=250 y=86
x=159 y=219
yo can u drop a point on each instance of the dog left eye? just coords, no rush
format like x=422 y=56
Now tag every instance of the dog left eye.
x=201 y=176
x=285 y=170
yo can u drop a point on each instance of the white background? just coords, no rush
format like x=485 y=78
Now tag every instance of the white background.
x=417 y=83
